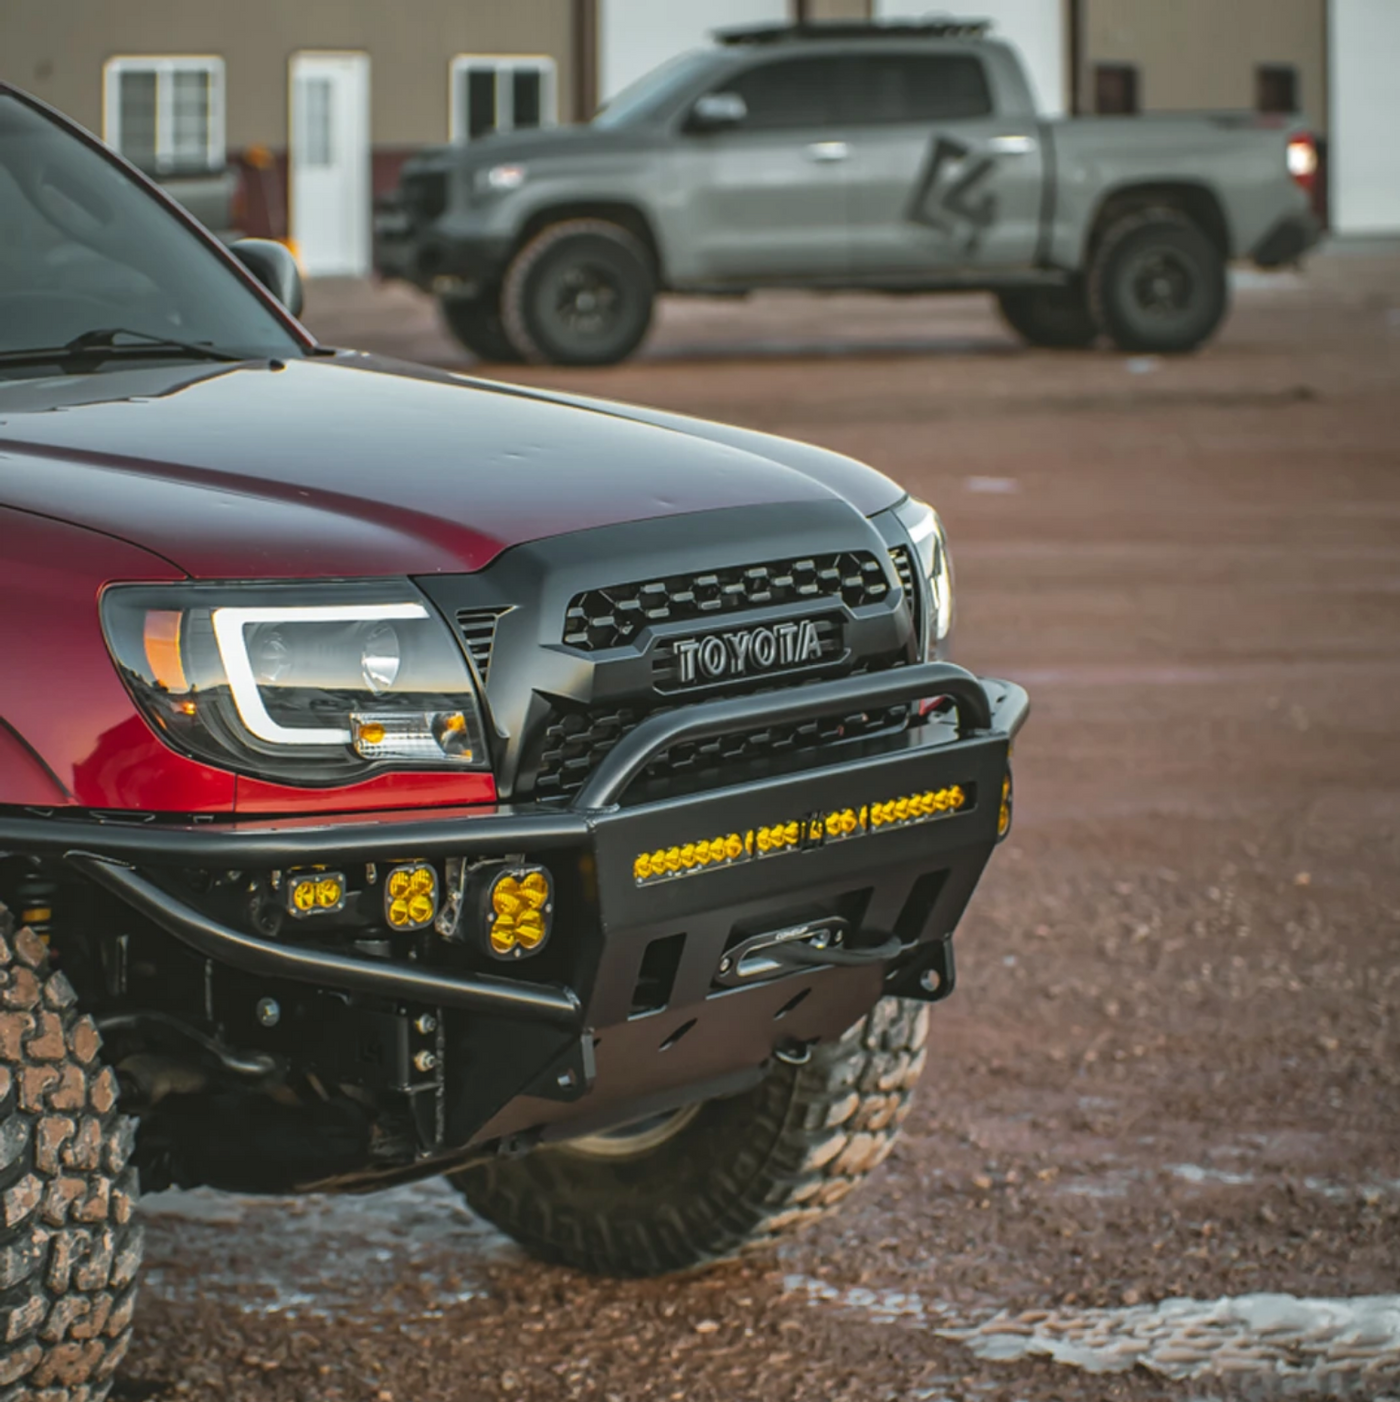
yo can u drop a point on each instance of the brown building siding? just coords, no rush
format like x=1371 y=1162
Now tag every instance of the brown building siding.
x=1194 y=54
x=56 y=49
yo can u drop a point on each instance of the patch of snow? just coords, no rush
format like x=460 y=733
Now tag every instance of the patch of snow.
x=883 y=1306
x=1310 y=1342
x=316 y=1255
x=1195 y=1173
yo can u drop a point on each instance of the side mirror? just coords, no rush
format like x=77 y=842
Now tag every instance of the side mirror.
x=273 y=266
x=718 y=110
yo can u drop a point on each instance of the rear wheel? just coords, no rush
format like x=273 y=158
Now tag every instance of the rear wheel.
x=69 y=1247
x=1158 y=283
x=476 y=323
x=708 y=1182
x=579 y=293
x=1057 y=317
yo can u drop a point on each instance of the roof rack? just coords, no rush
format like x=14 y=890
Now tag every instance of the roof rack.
x=944 y=28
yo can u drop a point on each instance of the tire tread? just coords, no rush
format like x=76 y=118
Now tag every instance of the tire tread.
x=69 y=1245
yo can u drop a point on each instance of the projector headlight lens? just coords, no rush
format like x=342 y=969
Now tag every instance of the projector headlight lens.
x=315 y=684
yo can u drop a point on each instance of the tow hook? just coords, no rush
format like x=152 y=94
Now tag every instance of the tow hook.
x=793 y=1053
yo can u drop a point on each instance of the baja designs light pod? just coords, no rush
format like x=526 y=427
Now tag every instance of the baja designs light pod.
x=515 y=910
x=410 y=896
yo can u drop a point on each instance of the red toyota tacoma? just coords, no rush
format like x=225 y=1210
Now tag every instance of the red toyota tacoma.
x=403 y=774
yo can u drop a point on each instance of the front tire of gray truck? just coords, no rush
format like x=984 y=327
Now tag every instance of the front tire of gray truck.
x=1057 y=318
x=579 y=293
x=69 y=1245
x=1157 y=283
x=475 y=322
x=727 y=1176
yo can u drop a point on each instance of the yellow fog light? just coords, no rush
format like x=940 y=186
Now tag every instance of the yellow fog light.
x=315 y=892
x=410 y=896
x=517 y=906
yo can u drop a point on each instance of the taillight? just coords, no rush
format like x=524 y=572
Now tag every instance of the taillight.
x=1302 y=160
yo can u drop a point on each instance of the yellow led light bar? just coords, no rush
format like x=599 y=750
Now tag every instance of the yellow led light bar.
x=314 y=892
x=797 y=835
x=410 y=896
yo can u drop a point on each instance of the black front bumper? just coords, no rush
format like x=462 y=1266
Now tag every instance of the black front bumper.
x=904 y=869
x=430 y=255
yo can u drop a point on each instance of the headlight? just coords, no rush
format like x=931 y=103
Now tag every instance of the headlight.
x=935 y=565
x=501 y=178
x=318 y=684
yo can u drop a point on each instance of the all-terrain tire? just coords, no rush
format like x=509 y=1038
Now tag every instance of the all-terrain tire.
x=578 y=259
x=737 y=1175
x=1054 y=317
x=1145 y=249
x=476 y=324
x=69 y=1246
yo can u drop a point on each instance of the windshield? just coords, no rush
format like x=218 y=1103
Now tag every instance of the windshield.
x=84 y=248
x=653 y=92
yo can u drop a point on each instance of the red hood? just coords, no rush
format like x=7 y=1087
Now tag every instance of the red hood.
x=325 y=468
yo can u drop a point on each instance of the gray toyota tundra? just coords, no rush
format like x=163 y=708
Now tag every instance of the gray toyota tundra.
x=895 y=158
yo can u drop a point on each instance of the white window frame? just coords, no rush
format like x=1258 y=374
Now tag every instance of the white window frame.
x=458 y=126
x=165 y=66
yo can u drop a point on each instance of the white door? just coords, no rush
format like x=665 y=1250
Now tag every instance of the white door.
x=329 y=163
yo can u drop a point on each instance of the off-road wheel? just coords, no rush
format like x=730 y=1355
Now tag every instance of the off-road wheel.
x=69 y=1247
x=476 y=324
x=579 y=293
x=1157 y=283
x=1054 y=317
x=731 y=1175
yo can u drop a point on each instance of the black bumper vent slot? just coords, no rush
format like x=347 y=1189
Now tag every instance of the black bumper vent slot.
x=611 y=617
x=478 y=630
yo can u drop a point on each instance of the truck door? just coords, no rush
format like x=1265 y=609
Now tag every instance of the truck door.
x=765 y=197
x=937 y=182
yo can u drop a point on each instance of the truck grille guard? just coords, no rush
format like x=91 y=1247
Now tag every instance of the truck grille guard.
x=107 y=862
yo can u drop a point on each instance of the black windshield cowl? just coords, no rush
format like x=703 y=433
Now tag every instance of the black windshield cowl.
x=101 y=344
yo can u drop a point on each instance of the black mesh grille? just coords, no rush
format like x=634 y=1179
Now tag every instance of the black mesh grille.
x=614 y=616
x=478 y=630
x=577 y=740
x=424 y=194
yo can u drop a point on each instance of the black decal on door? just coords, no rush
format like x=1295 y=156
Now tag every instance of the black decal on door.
x=953 y=201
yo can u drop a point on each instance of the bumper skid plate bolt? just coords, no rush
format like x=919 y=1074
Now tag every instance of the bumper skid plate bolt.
x=269 y=1012
x=426 y=1024
x=425 y=1061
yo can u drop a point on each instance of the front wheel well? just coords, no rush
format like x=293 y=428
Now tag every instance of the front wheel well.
x=1197 y=202
x=626 y=216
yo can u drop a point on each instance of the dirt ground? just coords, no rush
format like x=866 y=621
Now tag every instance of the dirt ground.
x=1172 y=1065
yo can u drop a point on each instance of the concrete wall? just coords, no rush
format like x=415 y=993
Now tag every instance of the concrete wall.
x=1365 y=155
x=635 y=35
x=56 y=49
x=1036 y=27
x=1193 y=54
